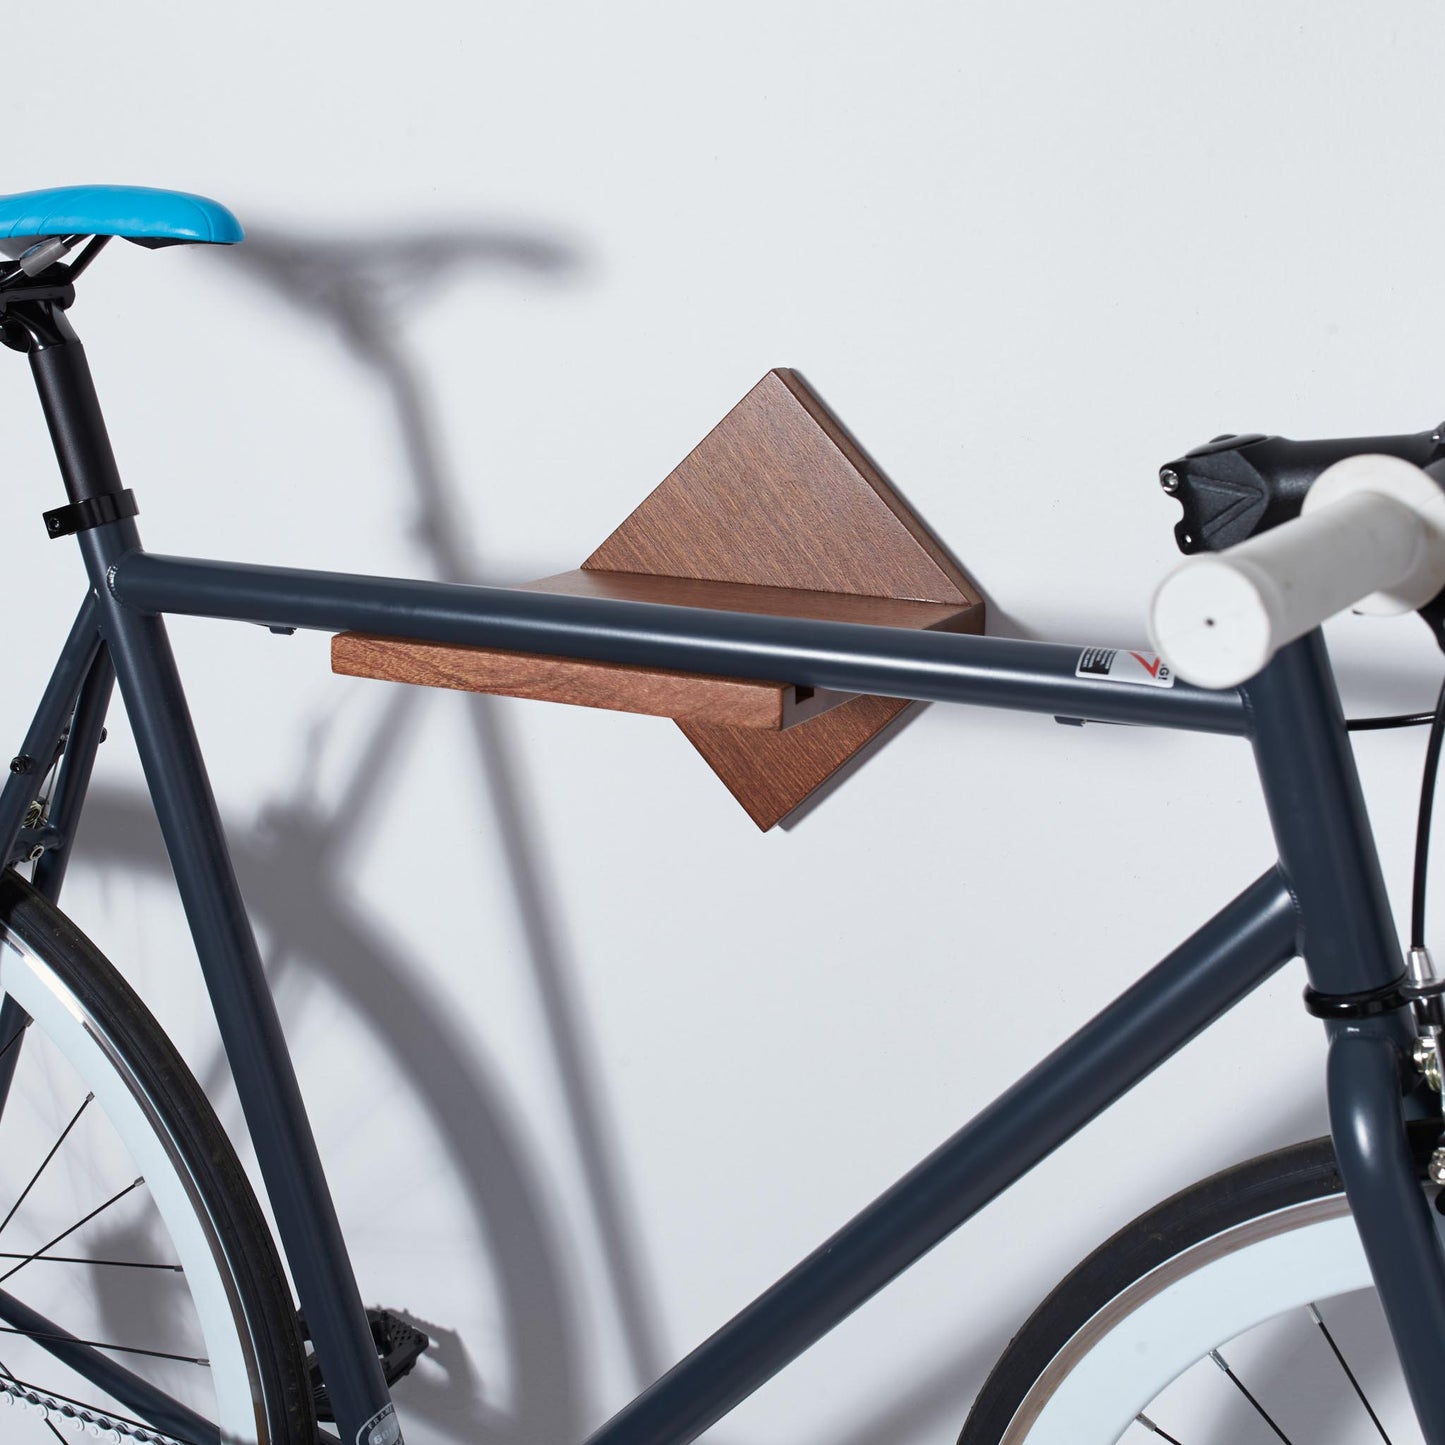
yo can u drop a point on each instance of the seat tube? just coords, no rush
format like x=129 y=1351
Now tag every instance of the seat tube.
x=1348 y=941
x=225 y=943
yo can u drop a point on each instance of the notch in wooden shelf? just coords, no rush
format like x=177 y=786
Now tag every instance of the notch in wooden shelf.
x=776 y=511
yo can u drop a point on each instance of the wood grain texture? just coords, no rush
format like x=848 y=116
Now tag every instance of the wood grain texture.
x=733 y=703
x=779 y=512
x=771 y=774
x=769 y=780
x=778 y=495
x=955 y=616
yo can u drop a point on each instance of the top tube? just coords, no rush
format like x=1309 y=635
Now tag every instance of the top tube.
x=1010 y=673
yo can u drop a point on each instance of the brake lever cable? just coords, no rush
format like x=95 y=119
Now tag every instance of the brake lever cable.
x=1422 y=826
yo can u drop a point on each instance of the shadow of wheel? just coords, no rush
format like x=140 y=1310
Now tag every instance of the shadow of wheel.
x=326 y=940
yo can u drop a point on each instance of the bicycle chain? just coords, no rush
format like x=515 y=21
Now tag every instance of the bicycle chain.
x=90 y=1422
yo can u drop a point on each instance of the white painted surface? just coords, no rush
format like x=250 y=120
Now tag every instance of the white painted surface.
x=1028 y=253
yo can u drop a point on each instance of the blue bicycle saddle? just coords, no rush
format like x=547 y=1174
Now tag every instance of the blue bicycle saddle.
x=140 y=214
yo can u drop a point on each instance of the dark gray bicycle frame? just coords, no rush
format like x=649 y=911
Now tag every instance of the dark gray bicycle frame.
x=1325 y=899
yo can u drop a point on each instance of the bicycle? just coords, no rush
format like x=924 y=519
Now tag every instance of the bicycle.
x=1312 y=528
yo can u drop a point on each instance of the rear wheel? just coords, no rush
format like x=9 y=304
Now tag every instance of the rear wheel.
x=1240 y=1309
x=141 y=1297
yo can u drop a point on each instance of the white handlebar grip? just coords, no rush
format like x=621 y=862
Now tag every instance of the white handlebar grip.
x=1371 y=535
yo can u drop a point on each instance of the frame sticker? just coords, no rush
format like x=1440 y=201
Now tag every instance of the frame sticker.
x=1116 y=664
x=382 y=1429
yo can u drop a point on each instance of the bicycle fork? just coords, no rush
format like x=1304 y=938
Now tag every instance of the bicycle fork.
x=1356 y=973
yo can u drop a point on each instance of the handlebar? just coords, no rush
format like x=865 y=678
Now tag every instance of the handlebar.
x=1371 y=537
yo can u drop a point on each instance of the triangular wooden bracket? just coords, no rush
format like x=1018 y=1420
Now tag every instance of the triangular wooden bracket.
x=775 y=511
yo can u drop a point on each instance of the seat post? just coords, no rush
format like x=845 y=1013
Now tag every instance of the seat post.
x=250 y=1027
x=67 y=395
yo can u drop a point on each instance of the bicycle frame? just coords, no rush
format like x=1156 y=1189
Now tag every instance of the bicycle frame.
x=1325 y=899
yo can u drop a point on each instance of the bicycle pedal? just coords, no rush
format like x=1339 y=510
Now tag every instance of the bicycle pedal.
x=398 y=1346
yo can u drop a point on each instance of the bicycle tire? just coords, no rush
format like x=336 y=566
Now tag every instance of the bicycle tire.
x=229 y=1264
x=1276 y=1230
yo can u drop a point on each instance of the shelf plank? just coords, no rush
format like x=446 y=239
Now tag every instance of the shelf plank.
x=958 y=615
x=688 y=697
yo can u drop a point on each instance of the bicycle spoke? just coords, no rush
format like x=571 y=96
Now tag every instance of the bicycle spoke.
x=38 y=1336
x=98 y=1201
x=50 y=1425
x=1349 y=1373
x=15 y=1037
x=44 y=1163
x=1148 y=1424
x=67 y=1232
x=130 y=1391
x=85 y=1259
x=1239 y=1385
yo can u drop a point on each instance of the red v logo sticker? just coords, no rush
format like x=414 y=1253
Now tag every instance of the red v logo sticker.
x=1152 y=668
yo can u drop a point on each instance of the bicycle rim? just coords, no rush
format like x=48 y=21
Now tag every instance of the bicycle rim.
x=126 y=1223
x=1240 y=1309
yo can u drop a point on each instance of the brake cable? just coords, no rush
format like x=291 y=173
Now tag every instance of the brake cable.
x=1422 y=826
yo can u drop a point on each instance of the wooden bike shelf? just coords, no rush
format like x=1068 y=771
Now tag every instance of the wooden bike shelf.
x=777 y=511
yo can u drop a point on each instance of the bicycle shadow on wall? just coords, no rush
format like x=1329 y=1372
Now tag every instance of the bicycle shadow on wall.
x=292 y=861
x=293 y=867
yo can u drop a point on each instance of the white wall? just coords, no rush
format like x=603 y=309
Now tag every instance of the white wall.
x=1027 y=253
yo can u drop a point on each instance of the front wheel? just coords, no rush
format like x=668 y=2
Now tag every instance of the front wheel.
x=141 y=1298
x=1240 y=1309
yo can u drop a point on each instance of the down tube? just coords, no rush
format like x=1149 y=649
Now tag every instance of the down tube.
x=1208 y=973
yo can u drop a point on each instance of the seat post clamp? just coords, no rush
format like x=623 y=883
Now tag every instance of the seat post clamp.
x=93 y=512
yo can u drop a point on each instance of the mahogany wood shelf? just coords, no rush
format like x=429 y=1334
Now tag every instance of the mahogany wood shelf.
x=777 y=511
